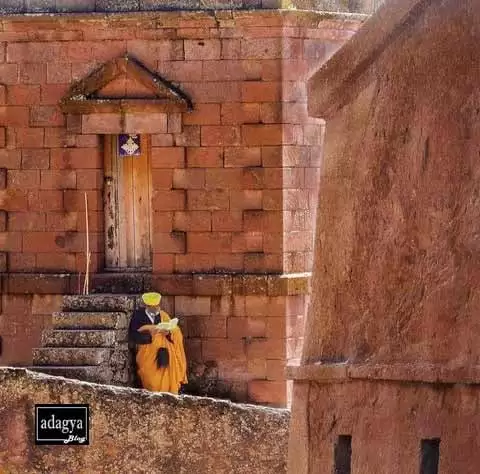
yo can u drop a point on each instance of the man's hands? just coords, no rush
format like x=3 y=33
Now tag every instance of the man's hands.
x=152 y=329
x=159 y=331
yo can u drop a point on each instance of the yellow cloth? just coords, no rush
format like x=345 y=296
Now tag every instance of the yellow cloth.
x=166 y=379
x=151 y=299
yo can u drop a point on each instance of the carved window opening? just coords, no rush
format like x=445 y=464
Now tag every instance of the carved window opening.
x=429 y=456
x=343 y=455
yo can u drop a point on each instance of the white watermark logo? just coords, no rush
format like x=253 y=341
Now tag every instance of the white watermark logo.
x=62 y=424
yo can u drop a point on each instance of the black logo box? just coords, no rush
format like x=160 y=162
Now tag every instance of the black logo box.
x=62 y=425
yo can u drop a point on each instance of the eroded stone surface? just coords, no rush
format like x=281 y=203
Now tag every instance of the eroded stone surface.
x=83 y=320
x=86 y=373
x=180 y=434
x=396 y=273
x=78 y=338
x=396 y=280
x=36 y=6
x=104 y=302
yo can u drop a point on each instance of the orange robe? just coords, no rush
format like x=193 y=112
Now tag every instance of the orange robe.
x=166 y=379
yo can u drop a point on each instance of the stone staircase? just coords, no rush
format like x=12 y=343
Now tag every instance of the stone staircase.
x=88 y=340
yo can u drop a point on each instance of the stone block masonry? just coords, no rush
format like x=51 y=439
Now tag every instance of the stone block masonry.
x=234 y=183
x=239 y=330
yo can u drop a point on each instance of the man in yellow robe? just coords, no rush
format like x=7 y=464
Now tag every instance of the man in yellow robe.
x=160 y=358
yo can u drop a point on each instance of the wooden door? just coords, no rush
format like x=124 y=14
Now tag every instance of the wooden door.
x=127 y=204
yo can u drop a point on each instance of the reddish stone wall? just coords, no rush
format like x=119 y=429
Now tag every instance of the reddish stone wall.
x=235 y=181
x=239 y=330
x=387 y=422
x=391 y=346
x=398 y=223
x=22 y=319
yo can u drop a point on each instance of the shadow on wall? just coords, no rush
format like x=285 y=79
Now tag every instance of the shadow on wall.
x=203 y=381
x=176 y=434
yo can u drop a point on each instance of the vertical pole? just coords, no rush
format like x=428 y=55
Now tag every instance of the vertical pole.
x=87 y=255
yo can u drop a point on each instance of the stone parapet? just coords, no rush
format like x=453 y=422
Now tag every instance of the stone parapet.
x=114 y=6
x=189 y=434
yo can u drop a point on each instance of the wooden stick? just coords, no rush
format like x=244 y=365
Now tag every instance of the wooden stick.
x=87 y=255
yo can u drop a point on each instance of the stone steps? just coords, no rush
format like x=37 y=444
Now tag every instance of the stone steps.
x=87 y=373
x=81 y=338
x=88 y=339
x=90 y=320
x=99 y=303
x=70 y=356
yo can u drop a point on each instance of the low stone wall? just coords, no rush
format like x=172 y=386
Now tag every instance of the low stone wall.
x=175 y=434
x=67 y=6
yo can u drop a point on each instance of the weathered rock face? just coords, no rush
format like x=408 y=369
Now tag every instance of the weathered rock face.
x=177 y=434
x=397 y=243
x=389 y=375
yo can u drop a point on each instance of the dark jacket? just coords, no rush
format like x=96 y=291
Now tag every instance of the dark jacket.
x=139 y=319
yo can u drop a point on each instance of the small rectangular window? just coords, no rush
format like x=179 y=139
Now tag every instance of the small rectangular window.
x=343 y=455
x=430 y=455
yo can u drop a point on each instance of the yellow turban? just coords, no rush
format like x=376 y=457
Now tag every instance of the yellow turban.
x=152 y=299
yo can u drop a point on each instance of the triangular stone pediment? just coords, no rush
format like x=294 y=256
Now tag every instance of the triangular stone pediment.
x=124 y=85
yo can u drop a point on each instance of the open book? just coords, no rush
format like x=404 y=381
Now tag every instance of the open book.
x=166 y=326
x=169 y=325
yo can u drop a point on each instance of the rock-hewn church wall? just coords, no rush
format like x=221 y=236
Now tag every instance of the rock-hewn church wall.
x=389 y=374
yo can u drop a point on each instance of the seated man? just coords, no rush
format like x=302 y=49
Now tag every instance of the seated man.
x=161 y=362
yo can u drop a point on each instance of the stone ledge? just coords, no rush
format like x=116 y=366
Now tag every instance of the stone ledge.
x=323 y=373
x=36 y=283
x=169 y=285
x=416 y=372
x=122 y=6
x=209 y=18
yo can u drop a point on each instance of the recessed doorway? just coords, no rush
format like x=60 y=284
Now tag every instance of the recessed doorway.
x=127 y=202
